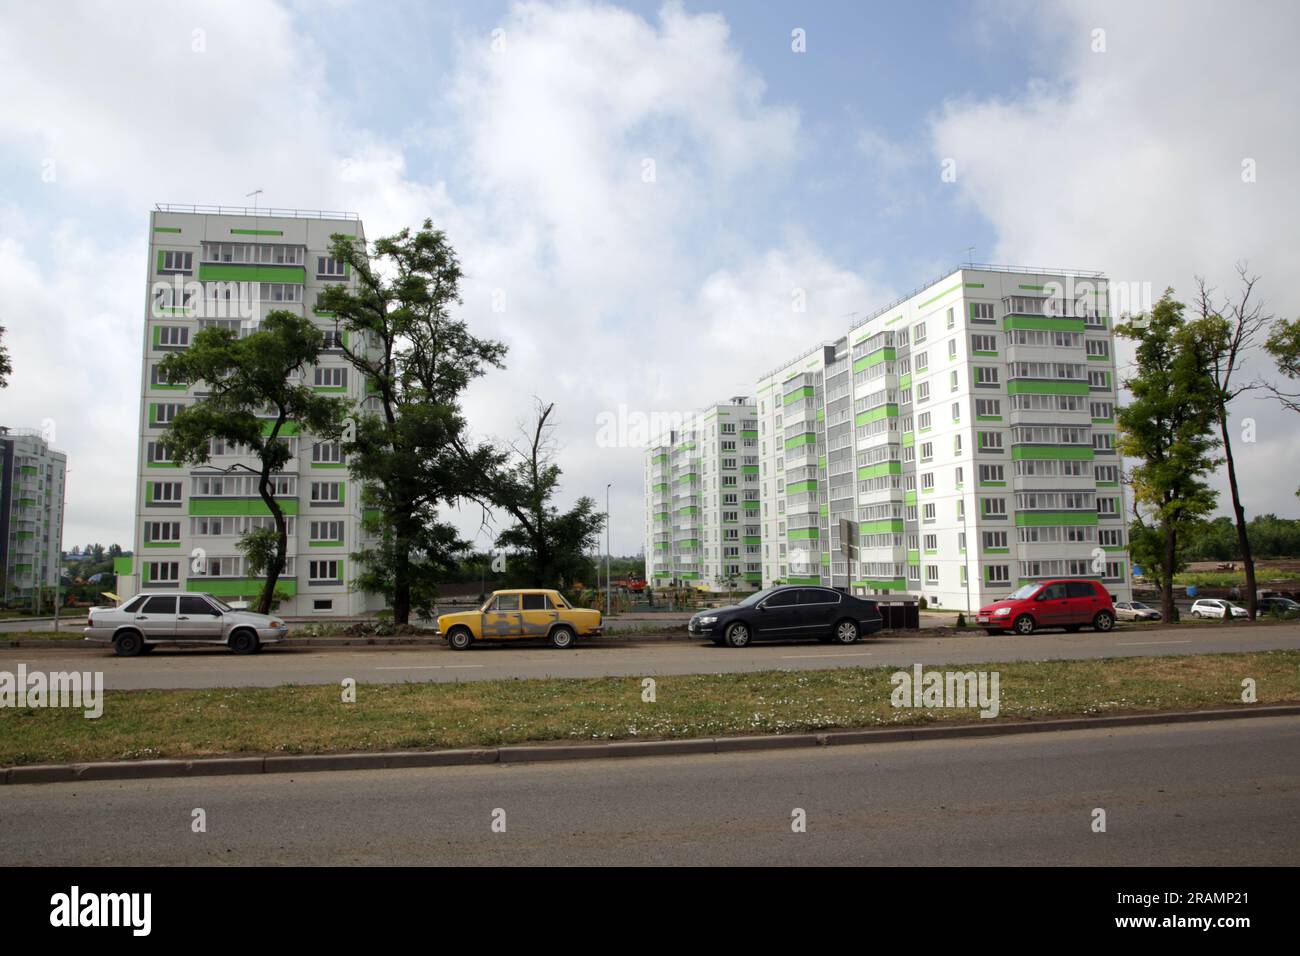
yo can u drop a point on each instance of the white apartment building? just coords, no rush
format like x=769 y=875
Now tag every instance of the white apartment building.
x=229 y=267
x=701 y=492
x=962 y=438
x=33 y=479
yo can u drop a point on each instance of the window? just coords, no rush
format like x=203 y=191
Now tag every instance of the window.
x=953 y=381
x=280 y=292
x=998 y=574
x=166 y=491
x=995 y=539
x=922 y=392
x=327 y=452
x=174 y=262
x=918 y=334
x=159 y=605
x=158 y=379
x=986 y=375
x=333 y=341
x=995 y=506
x=952 y=349
x=982 y=311
x=1098 y=380
x=330 y=377
x=328 y=572
x=990 y=440
x=1103 y=441
x=1097 y=348
x=157 y=454
x=927 y=451
x=956 y=416
x=173 y=336
x=327 y=531
x=988 y=407
x=992 y=473
x=932 y=574
x=195 y=606
x=327 y=492
x=164 y=572
x=952 y=319
x=928 y=513
x=923 y=421
x=984 y=343
x=536 y=602
x=960 y=473
x=165 y=412
x=927 y=481
x=327 y=267
x=922 y=361
x=932 y=542
x=159 y=531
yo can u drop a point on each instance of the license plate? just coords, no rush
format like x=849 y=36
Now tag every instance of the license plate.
x=983 y=619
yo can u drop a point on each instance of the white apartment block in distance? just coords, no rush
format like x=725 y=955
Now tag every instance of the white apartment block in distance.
x=963 y=437
x=701 y=492
x=33 y=478
x=229 y=267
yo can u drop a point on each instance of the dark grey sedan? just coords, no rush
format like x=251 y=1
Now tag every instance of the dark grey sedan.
x=790 y=611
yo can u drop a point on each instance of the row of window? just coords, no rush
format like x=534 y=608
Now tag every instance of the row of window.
x=319 y=571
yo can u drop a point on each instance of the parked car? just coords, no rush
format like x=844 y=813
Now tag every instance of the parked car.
x=520 y=614
x=789 y=611
x=1277 y=605
x=1217 y=608
x=1136 y=611
x=1067 y=602
x=158 y=617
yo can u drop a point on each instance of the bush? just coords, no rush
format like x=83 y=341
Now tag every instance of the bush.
x=961 y=621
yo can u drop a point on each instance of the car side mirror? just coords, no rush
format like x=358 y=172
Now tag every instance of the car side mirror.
x=761 y=606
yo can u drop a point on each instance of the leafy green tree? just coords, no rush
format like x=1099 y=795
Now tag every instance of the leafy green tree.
x=1167 y=429
x=6 y=365
x=548 y=546
x=253 y=389
x=1225 y=334
x=1284 y=345
x=409 y=443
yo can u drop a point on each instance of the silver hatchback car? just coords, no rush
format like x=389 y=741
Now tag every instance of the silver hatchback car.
x=157 y=617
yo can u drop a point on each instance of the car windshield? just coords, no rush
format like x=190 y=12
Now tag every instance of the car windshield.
x=1019 y=594
x=219 y=603
x=1138 y=605
x=755 y=597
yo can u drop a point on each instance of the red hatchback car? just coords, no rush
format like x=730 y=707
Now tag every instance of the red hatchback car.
x=1070 y=603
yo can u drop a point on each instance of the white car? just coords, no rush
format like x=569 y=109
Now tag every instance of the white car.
x=1216 y=608
x=158 y=617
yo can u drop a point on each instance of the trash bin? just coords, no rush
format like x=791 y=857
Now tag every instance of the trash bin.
x=898 y=614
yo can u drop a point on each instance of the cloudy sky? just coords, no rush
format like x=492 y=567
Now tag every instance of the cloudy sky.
x=644 y=185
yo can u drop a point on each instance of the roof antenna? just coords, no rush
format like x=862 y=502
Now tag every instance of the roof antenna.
x=255 y=193
x=970 y=255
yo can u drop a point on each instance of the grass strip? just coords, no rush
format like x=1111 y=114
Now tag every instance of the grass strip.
x=147 y=724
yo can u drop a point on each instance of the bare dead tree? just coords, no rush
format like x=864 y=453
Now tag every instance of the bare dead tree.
x=1231 y=331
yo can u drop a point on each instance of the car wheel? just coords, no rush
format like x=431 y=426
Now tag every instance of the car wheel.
x=244 y=641
x=459 y=638
x=128 y=644
x=562 y=637
x=1025 y=624
x=1104 y=621
x=738 y=635
x=846 y=632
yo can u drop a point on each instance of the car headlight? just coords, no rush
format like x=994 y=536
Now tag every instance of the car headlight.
x=707 y=619
x=275 y=623
x=1002 y=612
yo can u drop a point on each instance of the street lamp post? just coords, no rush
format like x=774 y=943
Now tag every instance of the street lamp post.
x=609 y=586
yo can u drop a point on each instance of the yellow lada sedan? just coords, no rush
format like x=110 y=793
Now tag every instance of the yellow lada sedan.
x=518 y=614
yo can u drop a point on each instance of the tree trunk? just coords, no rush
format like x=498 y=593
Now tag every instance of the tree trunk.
x=266 y=490
x=401 y=570
x=1239 y=517
x=1167 y=574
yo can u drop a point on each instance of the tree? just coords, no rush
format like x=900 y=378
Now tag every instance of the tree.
x=1225 y=334
x=551 y=546
x=1284 y=345
x=1167 y=428
x=254 y=389
x=409 y=445
x=6 y=366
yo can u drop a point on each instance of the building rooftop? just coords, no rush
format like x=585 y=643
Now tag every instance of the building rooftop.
x=270 y=212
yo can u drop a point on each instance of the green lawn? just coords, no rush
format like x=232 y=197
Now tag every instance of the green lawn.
x=198 y=723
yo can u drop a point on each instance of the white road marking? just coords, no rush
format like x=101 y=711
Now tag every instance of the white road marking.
x=799 y=657
x=1141 y=643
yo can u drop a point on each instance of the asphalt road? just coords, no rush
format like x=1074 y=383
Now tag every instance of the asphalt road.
x=1217 y=793
x=216 y=667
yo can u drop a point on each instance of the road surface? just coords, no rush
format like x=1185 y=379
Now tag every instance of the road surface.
x=217 y=667
x=1226 y=792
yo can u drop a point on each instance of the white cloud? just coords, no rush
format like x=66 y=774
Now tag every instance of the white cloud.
x=617 y=290
x=1130 y=161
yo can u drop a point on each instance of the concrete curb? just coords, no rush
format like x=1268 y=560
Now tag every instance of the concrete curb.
x=533 y=753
